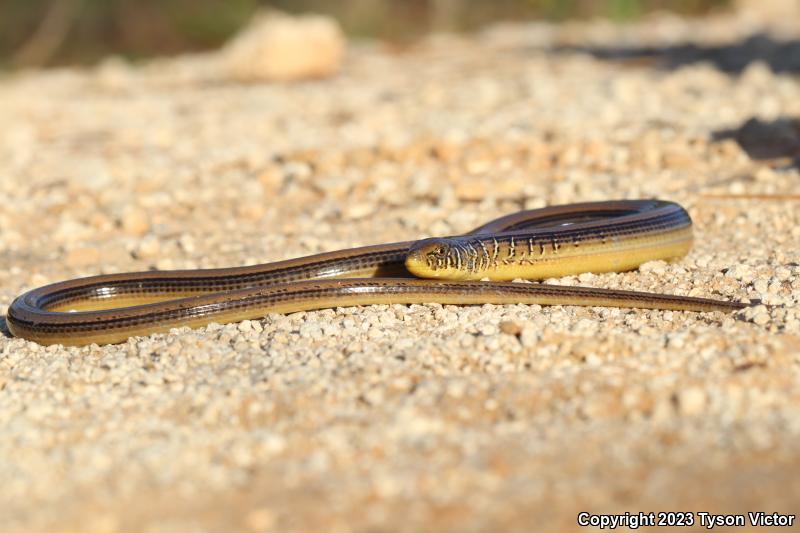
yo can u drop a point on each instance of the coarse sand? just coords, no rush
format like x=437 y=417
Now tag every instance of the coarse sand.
x=421 y=417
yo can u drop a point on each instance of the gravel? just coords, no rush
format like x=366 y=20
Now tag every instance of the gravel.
x=423 y=416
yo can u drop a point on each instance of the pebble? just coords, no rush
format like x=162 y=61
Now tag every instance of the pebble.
x=357 y=211
x=149 y=247
x=278 y=47
x=692 y=401
x=83 y=256
x=135 y=221
x=487 y=330
x=510 y=327
x=761 y=318
x=259 y=520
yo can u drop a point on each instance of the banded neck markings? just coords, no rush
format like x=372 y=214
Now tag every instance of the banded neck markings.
x=511 y=251
x=486 y=257
x=475 y=262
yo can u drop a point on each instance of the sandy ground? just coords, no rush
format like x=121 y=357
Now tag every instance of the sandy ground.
x=418 y=417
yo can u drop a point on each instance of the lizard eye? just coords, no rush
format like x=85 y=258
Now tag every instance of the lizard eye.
x=437 y=251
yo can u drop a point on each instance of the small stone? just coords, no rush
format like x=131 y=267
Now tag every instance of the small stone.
x=761 y=286
x=115 y=74
x=445 y=151
x=310 y=330
x=277 y=47
x=374 y=396
x=656 y=267
x=529 y=336
x=509 y=327
x=187 y=243
x=593 y=359
x=102 y=523
x=165 y=263
x=691 y=401
x=72 y=231
x=761 y=318
x=488 y=330
x=472 y=190
x=271 y=179
x=740 y=272
x=252 y=210
x=259 y=520
x=83 y=256
x=135 y=221
x=356 y=211
x=148 y=248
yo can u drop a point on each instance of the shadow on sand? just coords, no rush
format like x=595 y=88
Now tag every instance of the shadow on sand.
x=766 y=140
x=781 y=56
x=4 y=328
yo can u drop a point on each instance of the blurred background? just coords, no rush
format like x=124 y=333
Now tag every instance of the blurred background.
x=59 y=32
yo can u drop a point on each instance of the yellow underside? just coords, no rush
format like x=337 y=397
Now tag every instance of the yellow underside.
x=611 y=257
